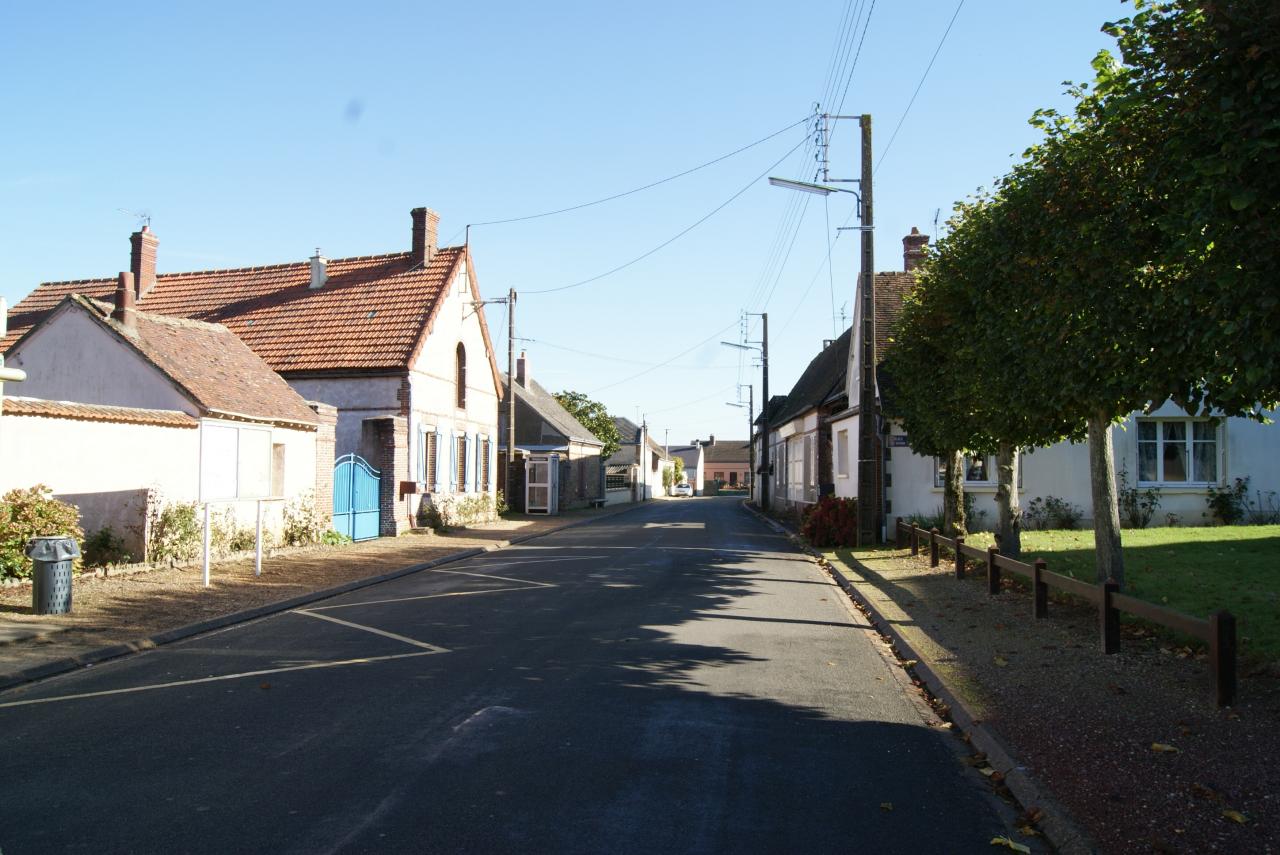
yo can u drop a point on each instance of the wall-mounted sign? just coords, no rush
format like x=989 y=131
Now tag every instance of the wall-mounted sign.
x=898 y=441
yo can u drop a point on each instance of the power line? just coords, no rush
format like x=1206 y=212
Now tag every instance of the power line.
x=719 y=391
x=674 y=237
x=783 y=266
x=866 y=25
x=715 y=334
x=646 y=186
x=545 y=343
x=923 y=77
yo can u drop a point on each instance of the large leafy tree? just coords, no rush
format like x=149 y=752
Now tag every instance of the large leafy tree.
x=594 y=417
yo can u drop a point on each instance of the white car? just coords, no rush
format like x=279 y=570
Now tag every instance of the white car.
x=682 y=490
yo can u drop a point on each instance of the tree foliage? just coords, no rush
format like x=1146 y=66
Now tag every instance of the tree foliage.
x=594 y=417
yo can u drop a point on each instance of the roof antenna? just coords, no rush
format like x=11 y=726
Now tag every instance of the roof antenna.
x=144 y=219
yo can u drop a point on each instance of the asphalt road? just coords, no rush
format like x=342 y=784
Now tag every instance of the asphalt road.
x=673 y=679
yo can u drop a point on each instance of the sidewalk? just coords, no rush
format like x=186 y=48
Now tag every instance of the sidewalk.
x=129 y=609
x=1083 y=724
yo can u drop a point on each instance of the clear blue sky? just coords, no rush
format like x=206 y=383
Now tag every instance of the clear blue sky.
x=254 y=132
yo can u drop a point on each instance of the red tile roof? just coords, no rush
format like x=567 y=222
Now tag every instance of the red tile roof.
x=372 y=313
x=16 y=406
x=891 y=289
x=216 y=370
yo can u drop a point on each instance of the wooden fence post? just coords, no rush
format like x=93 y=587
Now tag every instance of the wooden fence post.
x=915 y=540
x=1039 y=590
x=1222 y=652
x=897 y=533
x=993 y=571
x=933 y=547
x=1110 y=618
x=959 y=556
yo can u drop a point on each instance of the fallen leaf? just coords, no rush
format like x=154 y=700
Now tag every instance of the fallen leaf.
x=907 y=663
x=886 y=806
x=987 y=770
x=1010 y=844
x=1001 y=661
x=1162 y=748
x=1027 y=831
x=1235 y=816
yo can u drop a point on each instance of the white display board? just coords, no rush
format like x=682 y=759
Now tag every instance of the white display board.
x=235 y=462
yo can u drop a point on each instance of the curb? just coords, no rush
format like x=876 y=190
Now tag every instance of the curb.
x=92 y=657
x=1056 y=824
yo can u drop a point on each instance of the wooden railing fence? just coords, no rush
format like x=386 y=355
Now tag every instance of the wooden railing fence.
x=1218 y=632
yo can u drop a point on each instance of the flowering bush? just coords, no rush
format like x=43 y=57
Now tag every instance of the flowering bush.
x=831 y=522
x=29 y=513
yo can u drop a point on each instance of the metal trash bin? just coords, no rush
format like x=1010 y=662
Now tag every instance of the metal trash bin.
x=51 y=560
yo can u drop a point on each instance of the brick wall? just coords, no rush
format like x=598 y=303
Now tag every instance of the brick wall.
x=392 y=439
x=326 y=454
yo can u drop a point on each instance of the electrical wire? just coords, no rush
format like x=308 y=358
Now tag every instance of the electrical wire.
x=866 y=25
x=919 y=85
x=674 y=237
x=719 y=391
x=783 y=266
x=718 y=332
x=648 y=186
x=545 y=343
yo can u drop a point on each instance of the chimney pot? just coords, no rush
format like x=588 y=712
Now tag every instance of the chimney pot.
x=124 y=307
x=142 y=260
x=319 y=270
x=522 y=370
x=426 y=224
x=913 y=249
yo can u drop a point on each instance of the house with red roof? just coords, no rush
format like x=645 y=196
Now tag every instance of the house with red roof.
x=125 y=412
x=396 y=342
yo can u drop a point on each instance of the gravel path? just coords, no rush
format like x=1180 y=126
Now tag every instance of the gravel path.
x=1085 y=724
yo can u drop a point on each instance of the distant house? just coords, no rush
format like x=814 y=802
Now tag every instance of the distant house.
x=633 y=473
x=728 y=462
x=123 y=408
x=396 y=342
x=543 y=426
x=692 y=457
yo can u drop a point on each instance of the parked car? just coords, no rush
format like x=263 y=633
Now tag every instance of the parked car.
x=682 y=490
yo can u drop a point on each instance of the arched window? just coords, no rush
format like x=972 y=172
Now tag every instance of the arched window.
x=462 y=376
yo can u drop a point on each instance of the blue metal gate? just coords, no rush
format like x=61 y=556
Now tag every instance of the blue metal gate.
x=355 y=498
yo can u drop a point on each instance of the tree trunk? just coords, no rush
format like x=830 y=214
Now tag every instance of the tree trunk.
x=953 y=518
x=1106 y=510
x=1009 y=528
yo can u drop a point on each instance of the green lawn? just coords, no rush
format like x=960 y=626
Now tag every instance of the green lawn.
x=1193 y=570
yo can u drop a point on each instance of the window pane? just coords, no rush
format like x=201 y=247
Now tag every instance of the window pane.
x=1204 y=431
x=1175 y=459
x=1175 y=431
x=1147 y=431
x=1147 y=461
x=975 y=469
x=1206 y=460
x=939 y=472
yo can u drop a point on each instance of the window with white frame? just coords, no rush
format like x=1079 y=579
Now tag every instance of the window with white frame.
x=976 y=470
x=842 y=453
x=1177 y=451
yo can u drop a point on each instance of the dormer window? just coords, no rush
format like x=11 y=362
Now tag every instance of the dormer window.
x=462 y=376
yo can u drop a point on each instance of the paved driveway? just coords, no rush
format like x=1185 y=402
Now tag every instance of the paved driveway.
x=673 y=679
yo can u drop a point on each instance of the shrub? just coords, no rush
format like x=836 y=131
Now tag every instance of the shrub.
x=28 y=513
x=444 y=512
x=833 y=521
x=1228 y=504
x=304 y=524
x=104 y=548
x=927 y=521
x=500 y=506
x=334 y=538
x=1137 y=507
x=176 y=531
x=1052 y=512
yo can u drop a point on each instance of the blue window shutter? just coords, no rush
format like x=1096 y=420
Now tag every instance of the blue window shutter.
x=453 y=463
x=468 y=469
x=422 y=455
x=438 y=486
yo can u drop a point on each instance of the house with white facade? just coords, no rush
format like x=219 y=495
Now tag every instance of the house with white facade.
x=123 y=409
x=692 y=456
x=633 y=473
x=396 y=342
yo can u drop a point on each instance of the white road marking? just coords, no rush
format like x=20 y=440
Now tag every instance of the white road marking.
x=418 y=597
x=424 y=645
x=528 y=582
x=176 y=683
x=502 y=560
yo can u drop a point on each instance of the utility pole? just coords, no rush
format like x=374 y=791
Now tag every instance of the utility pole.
x=764 y=427
x=751 y=446
x=511 y=393
x=868 y=506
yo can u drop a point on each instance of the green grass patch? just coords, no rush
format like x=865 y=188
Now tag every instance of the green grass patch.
x=1193 y=570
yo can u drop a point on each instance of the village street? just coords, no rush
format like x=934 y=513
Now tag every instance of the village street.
x=677 y=678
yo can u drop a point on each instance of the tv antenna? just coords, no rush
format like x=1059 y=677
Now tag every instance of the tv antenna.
x=144 y=219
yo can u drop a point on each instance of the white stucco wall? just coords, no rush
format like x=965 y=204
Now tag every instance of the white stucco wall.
x=1245 y=448
x=357 y=399
x=72 y=358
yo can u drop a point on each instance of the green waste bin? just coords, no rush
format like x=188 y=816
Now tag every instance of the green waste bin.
x=51 y=560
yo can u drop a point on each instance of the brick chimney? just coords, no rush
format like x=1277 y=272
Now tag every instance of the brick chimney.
x=142 y=261
x=125 y=296
x=522 y=370
x=913 y=249
x=426 y=223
